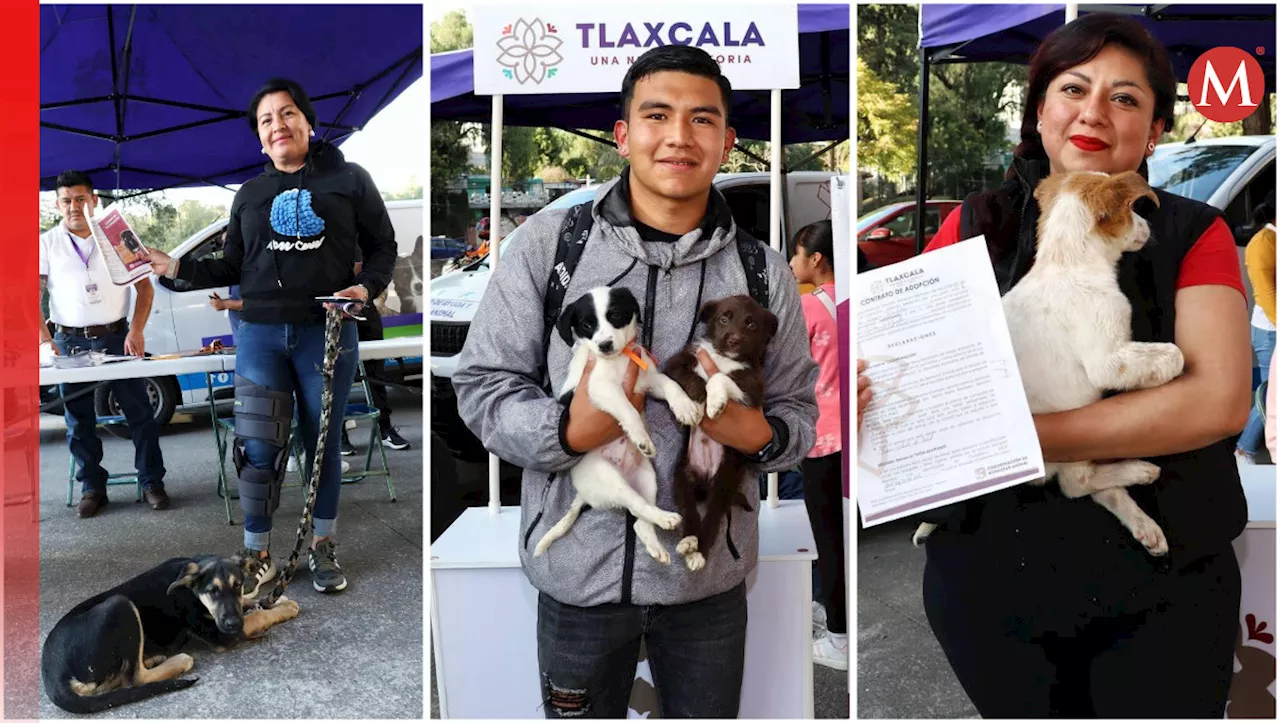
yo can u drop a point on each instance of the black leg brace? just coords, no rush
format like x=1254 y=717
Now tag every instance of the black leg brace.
x=265 y=415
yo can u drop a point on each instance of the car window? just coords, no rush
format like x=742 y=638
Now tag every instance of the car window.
x=904 y=225
x=1195 y=171
x=870 y=219
x=1239 y=212
x=210 y=248
x=750 y=208
x=932 y=220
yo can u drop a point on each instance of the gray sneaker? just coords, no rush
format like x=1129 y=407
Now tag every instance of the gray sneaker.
x=326 y=576
x=260 y=573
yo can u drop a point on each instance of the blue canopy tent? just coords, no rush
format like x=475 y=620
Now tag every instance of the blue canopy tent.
x=1011 y=33
x=816 y=111
x=155 y=96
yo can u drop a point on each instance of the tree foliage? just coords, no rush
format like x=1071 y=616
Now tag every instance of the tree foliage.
x=887 y=126
x=451 y=32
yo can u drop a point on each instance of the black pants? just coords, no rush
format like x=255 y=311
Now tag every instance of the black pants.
x=824 y=499
x=1173 y=659
x=587 y=656
x=371 y=330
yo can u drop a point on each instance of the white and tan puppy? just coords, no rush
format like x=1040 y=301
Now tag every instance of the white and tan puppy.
x=1069 y=322
x=603 y=324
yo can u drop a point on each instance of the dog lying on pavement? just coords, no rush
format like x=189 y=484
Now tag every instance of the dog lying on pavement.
x=121 y=646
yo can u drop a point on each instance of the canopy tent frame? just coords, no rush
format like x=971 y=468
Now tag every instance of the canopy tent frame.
x=121 y=61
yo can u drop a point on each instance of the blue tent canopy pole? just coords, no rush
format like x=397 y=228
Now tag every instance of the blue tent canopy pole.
x=922 y=148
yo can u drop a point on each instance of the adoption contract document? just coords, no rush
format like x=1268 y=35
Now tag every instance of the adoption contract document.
x=949 y=418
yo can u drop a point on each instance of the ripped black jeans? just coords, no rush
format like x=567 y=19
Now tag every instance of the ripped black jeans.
x=587 y=657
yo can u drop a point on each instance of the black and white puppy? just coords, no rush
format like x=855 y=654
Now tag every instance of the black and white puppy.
x=736 y=336
x=603 y=324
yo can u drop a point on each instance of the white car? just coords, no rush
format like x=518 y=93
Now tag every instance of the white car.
x=182 y=319
x=455 y=296
x=1233 y=174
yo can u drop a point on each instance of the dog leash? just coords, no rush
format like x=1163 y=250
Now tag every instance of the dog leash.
x=332 y=332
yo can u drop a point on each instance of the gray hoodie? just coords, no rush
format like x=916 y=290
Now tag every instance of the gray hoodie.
x=501 y=398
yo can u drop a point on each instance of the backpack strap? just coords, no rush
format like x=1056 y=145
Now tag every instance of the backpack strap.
x=756 y=266
x=827 y=301
x=572 y=238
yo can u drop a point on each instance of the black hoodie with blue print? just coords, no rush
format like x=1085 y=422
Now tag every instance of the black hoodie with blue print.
x=294 y=236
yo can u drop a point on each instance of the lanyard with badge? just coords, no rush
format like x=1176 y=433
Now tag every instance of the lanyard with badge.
x=90 y=288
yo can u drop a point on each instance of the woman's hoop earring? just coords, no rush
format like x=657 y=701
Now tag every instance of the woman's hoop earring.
x=263 y=151
x=1151 y=148
x=1039 y=126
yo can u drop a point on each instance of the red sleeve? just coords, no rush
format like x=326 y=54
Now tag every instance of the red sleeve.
x=1212 y=260
x=948 y=232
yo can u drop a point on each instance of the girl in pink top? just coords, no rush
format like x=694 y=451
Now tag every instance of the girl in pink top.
x=814 y=263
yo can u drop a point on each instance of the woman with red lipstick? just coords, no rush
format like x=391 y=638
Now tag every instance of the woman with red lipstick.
x=1044 y=605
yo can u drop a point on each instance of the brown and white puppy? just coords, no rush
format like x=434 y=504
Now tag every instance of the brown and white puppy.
x=1069 y=323
x=737 y=332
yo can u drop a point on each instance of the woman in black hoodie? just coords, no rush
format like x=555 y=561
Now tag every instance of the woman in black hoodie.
x=292 y=237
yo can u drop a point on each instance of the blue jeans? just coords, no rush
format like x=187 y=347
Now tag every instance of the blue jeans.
x=289 y=358
x=82 y=421
x=1254 y=435
x=587 y=656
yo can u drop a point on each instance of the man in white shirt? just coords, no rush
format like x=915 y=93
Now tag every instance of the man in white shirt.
x=88 y=311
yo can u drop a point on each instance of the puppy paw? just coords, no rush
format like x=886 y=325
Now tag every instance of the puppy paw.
x=923 y=531
x=287 y=609
x=687 y=545
x=153 y=661
x=666 y=520
x=717 y=396
x=1163 y=362
x=1151 y=536
x=183 y=661
x=695 y=561
x=657 y=553
x=1142 y=473
x=687 y=412
x=644 y=444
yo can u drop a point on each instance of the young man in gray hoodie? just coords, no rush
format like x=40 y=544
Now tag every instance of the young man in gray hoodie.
x=664 y=232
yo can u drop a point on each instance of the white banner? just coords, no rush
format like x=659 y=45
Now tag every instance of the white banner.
x=535 y=49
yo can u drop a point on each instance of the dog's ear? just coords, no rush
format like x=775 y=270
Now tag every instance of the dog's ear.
x=565 y=323
x=1134 y=192
x=1048 y=189
x=623 y=298
x=190 y=573
x=770 y=325
x=707 y=311
x=244 y=563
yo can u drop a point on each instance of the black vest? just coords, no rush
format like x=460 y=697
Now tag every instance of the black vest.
x=1032 y=535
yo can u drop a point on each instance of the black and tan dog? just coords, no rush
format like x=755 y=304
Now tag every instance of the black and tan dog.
x=115 y=647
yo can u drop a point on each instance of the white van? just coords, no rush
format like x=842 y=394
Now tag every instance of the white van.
x=455 y=296
x=182 y=319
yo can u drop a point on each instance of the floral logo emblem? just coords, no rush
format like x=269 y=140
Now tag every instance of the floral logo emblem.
x=530 y=51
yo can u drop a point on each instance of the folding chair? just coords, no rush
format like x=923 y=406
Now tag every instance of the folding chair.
x=118 y=478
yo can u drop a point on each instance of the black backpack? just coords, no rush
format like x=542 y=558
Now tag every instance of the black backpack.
x=574 y=231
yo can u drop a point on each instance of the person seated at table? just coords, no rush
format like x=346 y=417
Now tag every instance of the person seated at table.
x=292 y=236
x=88 y=312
